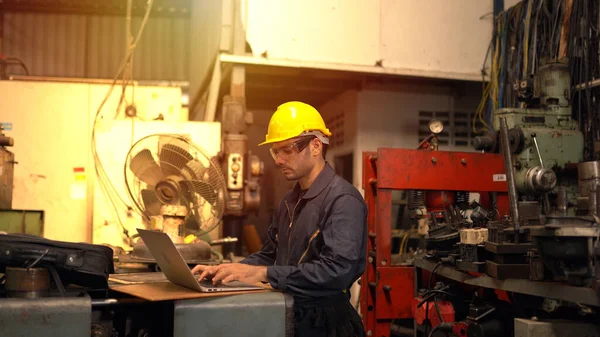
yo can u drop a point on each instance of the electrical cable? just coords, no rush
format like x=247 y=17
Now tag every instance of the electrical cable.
x=434 y=330
x=15 y=61
x=431 y=294
x=531 y=32
x=431 y=275
x=526 y=38
x=106 y=185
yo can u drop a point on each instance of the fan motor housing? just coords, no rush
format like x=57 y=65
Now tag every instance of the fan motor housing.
x=167 y=191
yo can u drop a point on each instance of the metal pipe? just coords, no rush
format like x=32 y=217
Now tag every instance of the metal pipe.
x=585 y=85
x=510 y=177
x=213 y=92
x=533 y=135
x=593 y=202
x=597 y=198
x=562 y=200
x=6 y=141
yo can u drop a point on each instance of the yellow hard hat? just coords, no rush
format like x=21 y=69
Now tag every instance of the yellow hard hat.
x=293 y=119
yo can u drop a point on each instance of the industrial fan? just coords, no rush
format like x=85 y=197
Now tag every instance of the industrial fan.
x=175 y=184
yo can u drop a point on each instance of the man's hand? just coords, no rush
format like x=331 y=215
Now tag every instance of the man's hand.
x=232 y=272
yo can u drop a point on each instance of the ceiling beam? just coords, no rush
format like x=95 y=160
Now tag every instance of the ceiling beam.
x=348 y=68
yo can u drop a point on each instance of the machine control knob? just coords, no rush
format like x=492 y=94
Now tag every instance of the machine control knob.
x=540 y=180
x=486 y=142
x=235 y=167
x=517 y=140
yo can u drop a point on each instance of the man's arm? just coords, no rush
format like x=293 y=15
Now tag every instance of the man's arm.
x=344 y=239
x=267 y=254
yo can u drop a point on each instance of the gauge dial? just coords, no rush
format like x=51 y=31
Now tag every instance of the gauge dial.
x=436 y=126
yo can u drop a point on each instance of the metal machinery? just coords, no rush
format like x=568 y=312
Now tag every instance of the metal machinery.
x=242 y=170
x=384 y=287
x=84 y=314
x=552 y=192
x=527 y=249
x=7 y=162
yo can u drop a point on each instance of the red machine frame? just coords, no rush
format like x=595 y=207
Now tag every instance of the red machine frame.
x=387 y=291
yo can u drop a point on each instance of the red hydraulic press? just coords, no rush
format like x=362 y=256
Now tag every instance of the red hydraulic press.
x=387 y=290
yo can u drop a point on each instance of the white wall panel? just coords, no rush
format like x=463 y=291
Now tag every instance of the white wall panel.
x=441 y=38
x=337 y=31
x=435 y=35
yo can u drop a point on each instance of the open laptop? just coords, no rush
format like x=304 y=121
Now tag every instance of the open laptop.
x=176 y=269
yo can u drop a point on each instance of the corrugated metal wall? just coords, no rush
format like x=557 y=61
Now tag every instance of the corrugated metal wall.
x=92 y=46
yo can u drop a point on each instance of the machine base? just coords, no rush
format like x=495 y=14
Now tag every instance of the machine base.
x=254 y=315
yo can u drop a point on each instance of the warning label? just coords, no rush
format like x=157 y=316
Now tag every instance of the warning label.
x=499 y=177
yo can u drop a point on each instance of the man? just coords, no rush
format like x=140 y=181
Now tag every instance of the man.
x=316 y=244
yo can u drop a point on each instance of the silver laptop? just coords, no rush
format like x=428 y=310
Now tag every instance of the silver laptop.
x=176 y=269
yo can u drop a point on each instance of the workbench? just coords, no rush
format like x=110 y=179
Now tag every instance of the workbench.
x=146 y=304
x=551 y=290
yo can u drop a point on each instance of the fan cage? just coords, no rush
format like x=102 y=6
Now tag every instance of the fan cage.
x=182 y=167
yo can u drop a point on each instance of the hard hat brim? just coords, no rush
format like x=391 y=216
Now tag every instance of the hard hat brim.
x=283 y=139
x=271 y=141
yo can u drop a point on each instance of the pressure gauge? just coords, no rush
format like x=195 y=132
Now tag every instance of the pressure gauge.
x=436 y=126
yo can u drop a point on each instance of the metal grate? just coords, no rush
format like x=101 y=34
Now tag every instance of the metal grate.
x=92 y=46
x=335 y=124
x=458 y=130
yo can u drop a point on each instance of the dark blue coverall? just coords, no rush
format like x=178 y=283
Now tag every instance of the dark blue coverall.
x=315 y=250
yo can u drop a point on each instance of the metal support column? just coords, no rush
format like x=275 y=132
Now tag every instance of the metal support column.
x=235 y=140
x=238 y=75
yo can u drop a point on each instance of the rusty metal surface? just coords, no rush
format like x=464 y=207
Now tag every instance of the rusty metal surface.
x=27 y=282
x=440 y=170
x=367 y=297
x=394 y=297
x=7 y=167
x=384 y=295
x=383 y=223
x=57 y=316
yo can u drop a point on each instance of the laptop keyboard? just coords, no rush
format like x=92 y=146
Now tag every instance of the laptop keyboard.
x=208 y=284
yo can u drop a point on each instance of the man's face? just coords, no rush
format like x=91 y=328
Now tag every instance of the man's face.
x=294 y=157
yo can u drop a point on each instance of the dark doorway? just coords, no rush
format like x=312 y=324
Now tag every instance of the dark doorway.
x=344 y=166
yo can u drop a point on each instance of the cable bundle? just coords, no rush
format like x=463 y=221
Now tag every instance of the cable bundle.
x=534 y=32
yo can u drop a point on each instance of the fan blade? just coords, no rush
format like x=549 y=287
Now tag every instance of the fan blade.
x=214 y=168
x=205 y=190
x=193 y=170
x=173 y=157
x=145 y=168
x=185 y=192
x=151 y=202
